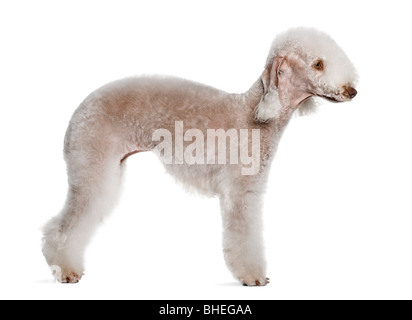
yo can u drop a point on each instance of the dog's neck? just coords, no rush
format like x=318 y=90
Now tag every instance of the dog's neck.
x=253 y=96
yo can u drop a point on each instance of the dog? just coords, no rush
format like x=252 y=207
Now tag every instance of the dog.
x=181 y=121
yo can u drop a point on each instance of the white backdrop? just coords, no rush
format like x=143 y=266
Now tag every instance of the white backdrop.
x=338 y=212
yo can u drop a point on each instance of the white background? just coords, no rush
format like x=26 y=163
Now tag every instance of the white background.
x=338 y=212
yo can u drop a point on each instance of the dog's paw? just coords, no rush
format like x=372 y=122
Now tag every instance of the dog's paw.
x=70 y=277
x=66 y=275
x=254 y=281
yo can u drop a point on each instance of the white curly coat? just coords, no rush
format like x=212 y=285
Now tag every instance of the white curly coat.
x=119 y=119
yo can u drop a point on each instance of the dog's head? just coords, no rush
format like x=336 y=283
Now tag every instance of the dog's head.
x=304 y=63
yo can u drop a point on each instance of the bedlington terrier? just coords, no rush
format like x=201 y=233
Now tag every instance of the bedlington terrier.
x=181 y=121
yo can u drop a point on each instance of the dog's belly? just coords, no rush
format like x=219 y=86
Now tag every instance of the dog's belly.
x=203 y=179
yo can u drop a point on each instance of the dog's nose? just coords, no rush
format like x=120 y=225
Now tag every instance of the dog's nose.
x=351 y=92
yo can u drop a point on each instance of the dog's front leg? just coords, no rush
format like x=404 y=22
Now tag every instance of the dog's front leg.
x=242 y=237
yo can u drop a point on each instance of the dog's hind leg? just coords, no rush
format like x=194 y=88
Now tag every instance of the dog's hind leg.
x=94 y=173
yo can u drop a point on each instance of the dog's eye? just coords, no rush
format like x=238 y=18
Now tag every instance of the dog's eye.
x=318 y=65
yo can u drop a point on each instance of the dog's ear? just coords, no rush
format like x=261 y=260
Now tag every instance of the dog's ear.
x=269 y=105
